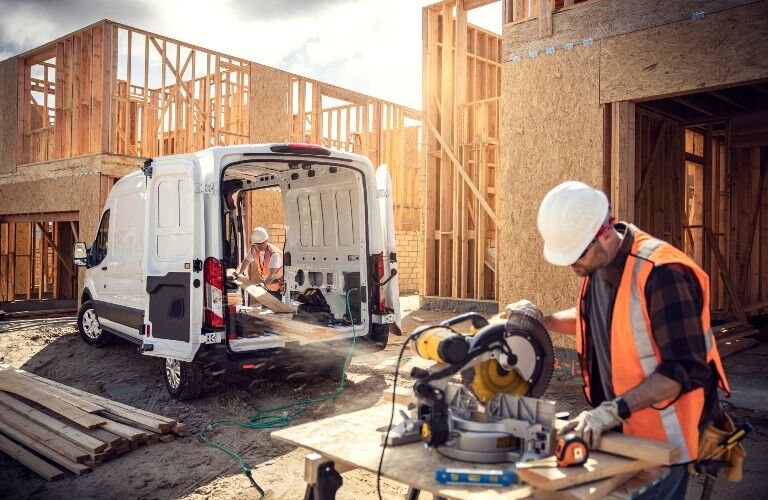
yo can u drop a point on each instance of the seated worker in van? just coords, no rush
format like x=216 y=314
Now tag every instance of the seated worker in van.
x=268 y=259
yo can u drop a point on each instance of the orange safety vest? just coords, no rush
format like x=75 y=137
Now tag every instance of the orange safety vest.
x=635 y=355
x=263 y=267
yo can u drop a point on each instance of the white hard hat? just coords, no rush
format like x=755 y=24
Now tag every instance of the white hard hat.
x=570 y=216
x=259 y=235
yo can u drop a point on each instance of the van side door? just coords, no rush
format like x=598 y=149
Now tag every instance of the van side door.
x=174 y=246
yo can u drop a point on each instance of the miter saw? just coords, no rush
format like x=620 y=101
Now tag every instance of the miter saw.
x=494 y=414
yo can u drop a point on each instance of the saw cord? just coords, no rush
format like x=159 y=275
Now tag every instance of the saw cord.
x=392 y=414
x=271 y=419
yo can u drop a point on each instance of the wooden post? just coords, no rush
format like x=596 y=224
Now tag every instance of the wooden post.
x=623 y=160
x=545 y=18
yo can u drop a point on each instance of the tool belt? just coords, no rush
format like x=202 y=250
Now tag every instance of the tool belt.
x=710 y=451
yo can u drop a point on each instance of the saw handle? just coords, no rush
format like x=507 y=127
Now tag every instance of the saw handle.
x=477 y=320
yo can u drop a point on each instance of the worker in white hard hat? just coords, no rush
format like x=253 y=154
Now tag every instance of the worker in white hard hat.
x=268 y=259
x=648 y=360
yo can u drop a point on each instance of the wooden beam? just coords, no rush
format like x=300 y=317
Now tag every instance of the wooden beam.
x=730 y=288
x=649 y=163
x=56 y=249
x=459 y=168
x=29 y=460
x=545 y=18
x=58 y=458
x=82 y=439
x=696 y=107
x=747 y=256
x=730 y=100
x=623 y=160
x=54 y=404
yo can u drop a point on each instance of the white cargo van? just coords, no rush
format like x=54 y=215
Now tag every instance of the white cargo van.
x=156 y=273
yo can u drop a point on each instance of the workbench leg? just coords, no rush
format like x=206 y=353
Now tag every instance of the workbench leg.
x=412 y=494
x=322 y=477
x=328 y=482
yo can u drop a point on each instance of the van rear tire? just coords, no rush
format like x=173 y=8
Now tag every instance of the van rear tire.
x=89 y=327
x=183 y=380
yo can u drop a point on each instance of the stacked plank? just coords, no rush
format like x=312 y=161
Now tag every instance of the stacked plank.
x=48 y=426
x=618 y=461
x=734 y=337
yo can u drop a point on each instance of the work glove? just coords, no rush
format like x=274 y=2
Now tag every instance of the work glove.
x=590 y=425
x=526 y=307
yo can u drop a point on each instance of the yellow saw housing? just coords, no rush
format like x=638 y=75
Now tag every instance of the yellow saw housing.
x=488 y=380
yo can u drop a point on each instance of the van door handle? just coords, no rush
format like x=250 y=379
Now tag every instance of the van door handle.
x=104 y=268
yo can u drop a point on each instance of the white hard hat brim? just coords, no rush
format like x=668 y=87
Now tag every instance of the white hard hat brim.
x=559 y=258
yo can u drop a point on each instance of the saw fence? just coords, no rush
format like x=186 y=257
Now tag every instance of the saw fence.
x=50 y=427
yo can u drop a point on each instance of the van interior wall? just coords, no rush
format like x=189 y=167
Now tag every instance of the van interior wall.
x=321 y=225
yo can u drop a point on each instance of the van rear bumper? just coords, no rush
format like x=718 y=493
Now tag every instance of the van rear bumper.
x=219 y=357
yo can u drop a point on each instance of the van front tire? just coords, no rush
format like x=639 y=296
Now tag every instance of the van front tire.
x=183 y=380
x=89 y=327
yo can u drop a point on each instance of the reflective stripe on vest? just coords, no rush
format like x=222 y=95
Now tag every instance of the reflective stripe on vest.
x=669 y=418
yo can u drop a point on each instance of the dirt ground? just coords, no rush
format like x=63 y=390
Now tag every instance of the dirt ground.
x=186 y=468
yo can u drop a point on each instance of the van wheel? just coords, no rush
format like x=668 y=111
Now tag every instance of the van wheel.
x=183 y=380
x=89 y=326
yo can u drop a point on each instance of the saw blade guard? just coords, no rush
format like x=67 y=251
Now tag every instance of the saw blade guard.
x=522 y=360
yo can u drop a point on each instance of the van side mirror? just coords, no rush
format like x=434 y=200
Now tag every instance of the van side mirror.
x=80 y=254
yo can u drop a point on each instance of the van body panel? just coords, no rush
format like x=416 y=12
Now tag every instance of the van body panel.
x=163 y=224
x=390 y=291
x=175 y=237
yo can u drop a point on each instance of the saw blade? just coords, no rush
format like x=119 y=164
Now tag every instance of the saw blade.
x=525 y=371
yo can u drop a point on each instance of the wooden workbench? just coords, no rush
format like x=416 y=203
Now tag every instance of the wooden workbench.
x=353 y=440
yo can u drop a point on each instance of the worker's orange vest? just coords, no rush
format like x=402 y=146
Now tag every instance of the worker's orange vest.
x=635 y=355
x=263 y=267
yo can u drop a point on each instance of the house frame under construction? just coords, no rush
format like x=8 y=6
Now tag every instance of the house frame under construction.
x=84 y=110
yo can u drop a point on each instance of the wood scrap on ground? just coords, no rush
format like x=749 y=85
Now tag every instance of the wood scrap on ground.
x=734 y=337
x=48 y=426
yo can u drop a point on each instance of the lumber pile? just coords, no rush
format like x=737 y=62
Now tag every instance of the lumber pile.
x=50 y=427
x=734 y=337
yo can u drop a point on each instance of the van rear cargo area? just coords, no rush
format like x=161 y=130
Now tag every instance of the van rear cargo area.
x=325 y=255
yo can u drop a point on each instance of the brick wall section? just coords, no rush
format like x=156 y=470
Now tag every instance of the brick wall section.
x=409 y=261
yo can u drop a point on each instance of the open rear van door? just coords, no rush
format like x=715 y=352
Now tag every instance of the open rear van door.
x=391 y=290
x=174 y=246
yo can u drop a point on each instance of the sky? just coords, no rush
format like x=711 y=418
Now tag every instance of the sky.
x=371 y=46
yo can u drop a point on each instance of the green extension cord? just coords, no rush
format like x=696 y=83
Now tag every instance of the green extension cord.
x=268 y=419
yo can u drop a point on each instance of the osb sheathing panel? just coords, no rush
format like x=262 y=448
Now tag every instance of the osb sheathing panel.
x=266 y=208
x=108 y=164
x=8 y=114
x=551 y=132
x=600 y=19
x=724 y=48
x=269 y=119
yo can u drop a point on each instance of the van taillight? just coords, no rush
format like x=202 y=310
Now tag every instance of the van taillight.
x=213 y=292
x=378 y=298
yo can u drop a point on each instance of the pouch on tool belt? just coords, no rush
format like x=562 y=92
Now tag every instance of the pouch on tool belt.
x=709 y=449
